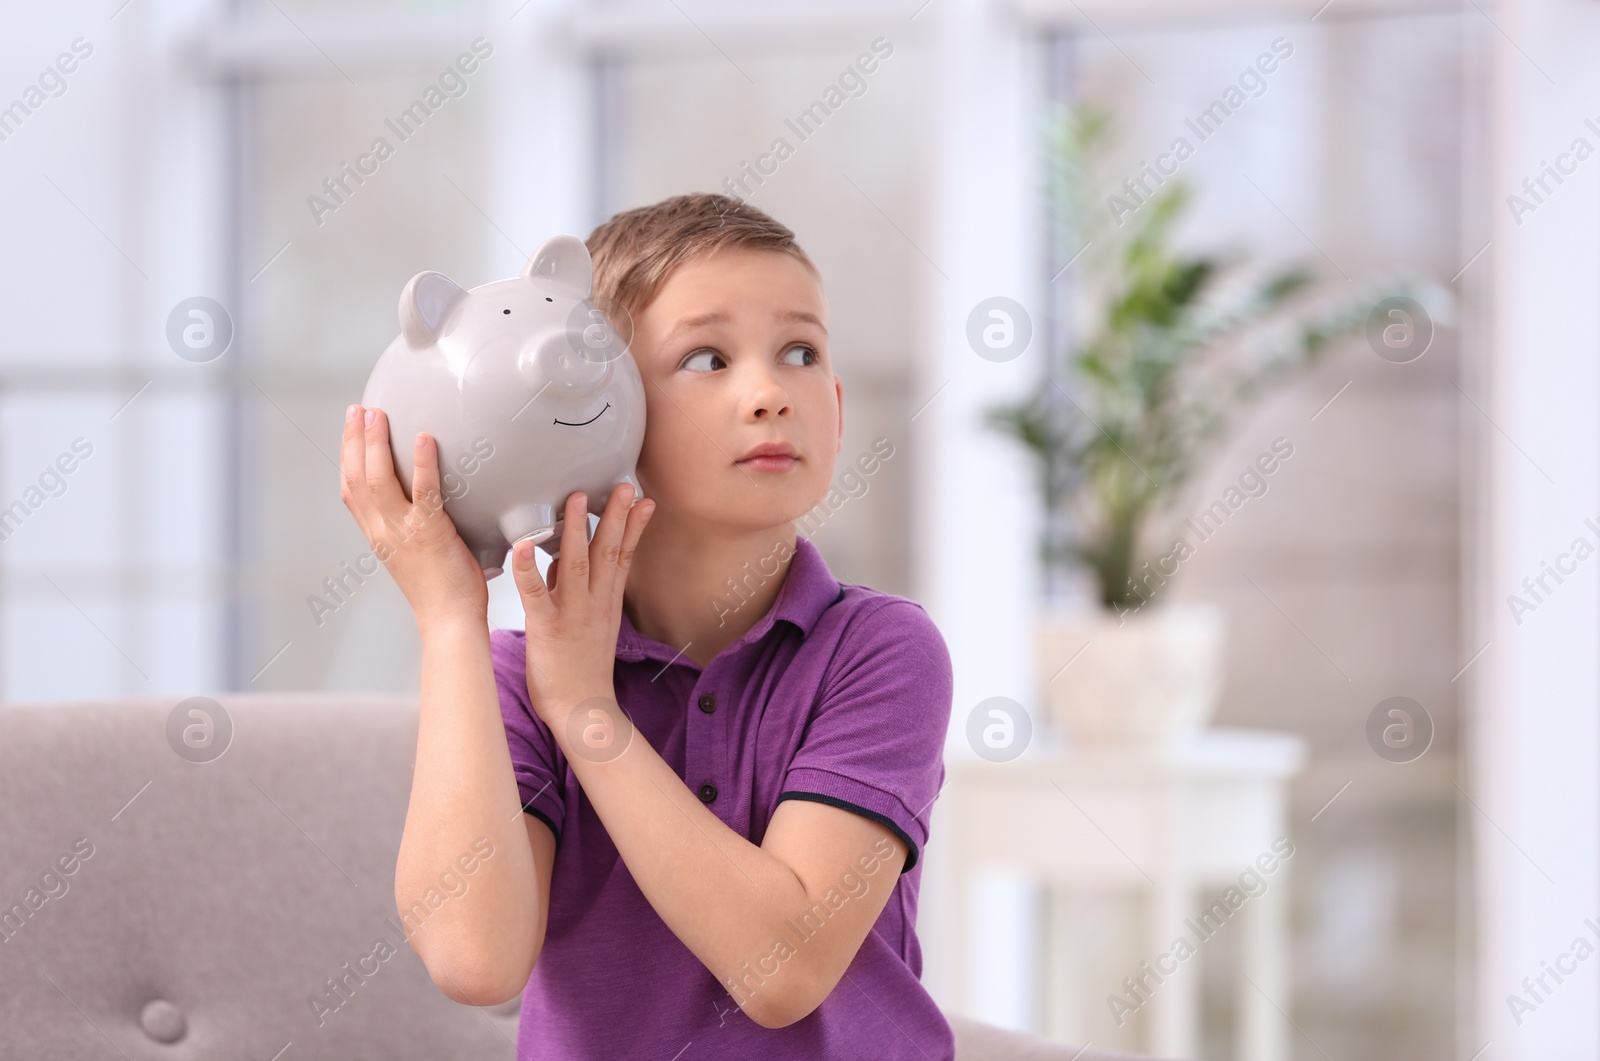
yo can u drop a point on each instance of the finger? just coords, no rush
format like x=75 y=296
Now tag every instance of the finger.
x=425 y=477
x=575 y=546
x=638 y=516
x=608 y=541
x=353 y=463
x=383 y=488
x=537 y=605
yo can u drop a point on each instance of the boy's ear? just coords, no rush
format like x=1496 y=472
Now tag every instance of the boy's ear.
x=425 y=304
x=563 y=262
x=838 y=392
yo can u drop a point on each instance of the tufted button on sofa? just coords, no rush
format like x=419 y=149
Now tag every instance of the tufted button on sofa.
x=214 y=879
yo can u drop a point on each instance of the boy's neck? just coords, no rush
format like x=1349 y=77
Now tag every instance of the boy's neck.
x=678 y=586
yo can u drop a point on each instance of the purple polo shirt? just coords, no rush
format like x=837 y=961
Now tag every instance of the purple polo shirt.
x=839 y=694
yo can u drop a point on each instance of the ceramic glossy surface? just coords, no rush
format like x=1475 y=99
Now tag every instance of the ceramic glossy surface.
x=528 y=390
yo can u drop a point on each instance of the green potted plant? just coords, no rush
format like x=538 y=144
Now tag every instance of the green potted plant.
x=1173 y=345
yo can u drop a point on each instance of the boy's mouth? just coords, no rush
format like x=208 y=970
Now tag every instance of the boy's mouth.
x=770 y=464
x=770 y=457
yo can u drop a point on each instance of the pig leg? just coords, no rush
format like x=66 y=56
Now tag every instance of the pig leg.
x=492 y=559
x=598 y=502
x=550 y=537
x=553 y=545
x=535 y=520
x=631 y=480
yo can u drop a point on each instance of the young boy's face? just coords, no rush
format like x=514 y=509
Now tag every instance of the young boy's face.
x=734 y=353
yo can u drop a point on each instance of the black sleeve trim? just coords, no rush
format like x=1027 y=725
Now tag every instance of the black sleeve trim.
x=546 y=819
x=843 y=804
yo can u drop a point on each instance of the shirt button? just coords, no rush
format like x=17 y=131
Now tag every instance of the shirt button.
x=708 y=792
x=708 y=703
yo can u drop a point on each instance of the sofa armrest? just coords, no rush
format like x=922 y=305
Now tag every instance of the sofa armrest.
x=976 y=1041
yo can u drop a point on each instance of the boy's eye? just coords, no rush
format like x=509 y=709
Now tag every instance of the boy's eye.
x=710 y=360
x=696 y=363
x=814 y=356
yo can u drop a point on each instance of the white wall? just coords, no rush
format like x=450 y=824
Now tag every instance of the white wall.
x=974 y=526
x=1535 y=782
x=112 y=215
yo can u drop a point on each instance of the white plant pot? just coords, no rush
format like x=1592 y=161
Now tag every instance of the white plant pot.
x=1152 y=677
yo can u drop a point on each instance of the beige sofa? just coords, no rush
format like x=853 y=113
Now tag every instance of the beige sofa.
x=158 y=900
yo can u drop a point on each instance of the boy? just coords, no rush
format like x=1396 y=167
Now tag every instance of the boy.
x=725 y=770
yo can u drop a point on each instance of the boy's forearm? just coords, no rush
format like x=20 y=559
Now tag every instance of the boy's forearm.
x=464 y=800
x=725 y=898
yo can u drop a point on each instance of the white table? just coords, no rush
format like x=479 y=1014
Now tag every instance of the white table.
x=1179 y=825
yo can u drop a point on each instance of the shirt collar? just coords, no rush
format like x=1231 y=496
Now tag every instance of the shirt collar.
x=808 y=590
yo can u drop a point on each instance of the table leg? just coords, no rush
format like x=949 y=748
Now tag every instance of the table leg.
x=1262 y=1032
x=1175 y=1003
x=1060 y=993
x=950 y=910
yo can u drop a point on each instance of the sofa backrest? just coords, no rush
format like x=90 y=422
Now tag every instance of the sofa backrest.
x=153 y=891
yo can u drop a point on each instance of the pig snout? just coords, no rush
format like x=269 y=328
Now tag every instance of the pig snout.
x=572 y=372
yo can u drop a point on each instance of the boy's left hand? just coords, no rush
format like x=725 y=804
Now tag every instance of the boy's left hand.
x=572 y=624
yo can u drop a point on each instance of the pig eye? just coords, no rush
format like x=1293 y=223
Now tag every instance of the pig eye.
x=505 y=311
x=547 y=298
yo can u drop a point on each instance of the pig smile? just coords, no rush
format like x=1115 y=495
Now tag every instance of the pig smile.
x=591 y=419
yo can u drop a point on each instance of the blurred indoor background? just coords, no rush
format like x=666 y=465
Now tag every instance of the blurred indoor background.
x=185 y=156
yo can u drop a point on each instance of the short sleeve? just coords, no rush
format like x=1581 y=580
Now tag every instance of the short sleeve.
x=874 y=743
x=534 y=760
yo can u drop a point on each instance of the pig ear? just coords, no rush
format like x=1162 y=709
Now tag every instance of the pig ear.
x=562 y=262
x=425 y=304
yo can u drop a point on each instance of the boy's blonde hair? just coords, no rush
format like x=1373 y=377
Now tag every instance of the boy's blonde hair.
x=634 y=251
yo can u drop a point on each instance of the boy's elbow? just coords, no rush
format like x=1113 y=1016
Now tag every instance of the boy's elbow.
x=785 y=1005
x=476 y=984
x=487 y=974
x=477 y=990
x=773 y=1017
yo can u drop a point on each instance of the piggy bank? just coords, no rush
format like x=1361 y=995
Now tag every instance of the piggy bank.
x=527 y=389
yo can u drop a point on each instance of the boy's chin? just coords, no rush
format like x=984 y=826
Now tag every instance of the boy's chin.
x=738 y=508
x=776 y=513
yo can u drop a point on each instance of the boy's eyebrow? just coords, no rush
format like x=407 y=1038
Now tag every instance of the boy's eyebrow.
x=800 y=316
x=700 y=320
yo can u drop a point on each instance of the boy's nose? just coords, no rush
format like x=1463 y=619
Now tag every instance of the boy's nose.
x=765 y=396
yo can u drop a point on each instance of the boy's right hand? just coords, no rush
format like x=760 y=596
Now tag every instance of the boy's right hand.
x=415 y=540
